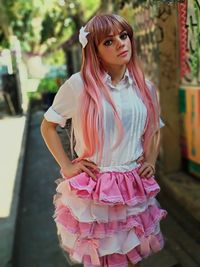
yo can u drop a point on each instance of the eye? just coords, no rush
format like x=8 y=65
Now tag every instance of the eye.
x=124 y=35
x=107 y=42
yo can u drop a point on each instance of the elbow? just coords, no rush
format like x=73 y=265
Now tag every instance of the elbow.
x=46 y=126
x=42 y=127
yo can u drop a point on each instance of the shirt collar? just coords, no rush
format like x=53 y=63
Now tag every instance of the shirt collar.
x=126 y=78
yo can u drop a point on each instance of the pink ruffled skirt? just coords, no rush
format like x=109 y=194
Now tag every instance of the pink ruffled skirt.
x=108 y=221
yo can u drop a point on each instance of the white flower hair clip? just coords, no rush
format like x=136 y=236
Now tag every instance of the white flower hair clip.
x=82 y=36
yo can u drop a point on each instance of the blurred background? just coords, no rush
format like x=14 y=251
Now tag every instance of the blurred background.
x=39 y=50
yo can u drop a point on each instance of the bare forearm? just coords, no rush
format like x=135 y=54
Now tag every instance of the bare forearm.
x=153 y=149
x=53 y=142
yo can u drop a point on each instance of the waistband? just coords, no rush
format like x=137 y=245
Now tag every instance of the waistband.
x=120 y=168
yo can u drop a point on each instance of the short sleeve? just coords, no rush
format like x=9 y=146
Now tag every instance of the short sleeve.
x=155 y=99
x=162 y=124
x=63 y=105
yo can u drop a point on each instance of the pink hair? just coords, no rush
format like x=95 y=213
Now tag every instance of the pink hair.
x=95 y=89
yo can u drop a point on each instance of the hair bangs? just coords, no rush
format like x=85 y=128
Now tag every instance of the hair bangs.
x=103 y=25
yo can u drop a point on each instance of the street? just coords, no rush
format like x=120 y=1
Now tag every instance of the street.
x=36 y=243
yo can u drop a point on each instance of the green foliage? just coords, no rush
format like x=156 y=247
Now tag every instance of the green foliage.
x=55 y=58
x=40 y=24
x=48 y=85
x=48 y=29
x=34 y=96
x=89 y=7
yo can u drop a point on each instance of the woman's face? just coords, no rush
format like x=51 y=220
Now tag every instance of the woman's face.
x=115 y=49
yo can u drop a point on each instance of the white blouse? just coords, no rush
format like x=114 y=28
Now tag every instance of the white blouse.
x=132 y=112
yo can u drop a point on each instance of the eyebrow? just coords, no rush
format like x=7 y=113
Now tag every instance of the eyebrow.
x=114 y=35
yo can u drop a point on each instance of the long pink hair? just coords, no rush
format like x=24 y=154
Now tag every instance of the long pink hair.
x=92 y=71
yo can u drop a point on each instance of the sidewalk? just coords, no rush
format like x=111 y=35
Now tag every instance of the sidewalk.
x=13 y=132
x=182 y=193
x=36 y=241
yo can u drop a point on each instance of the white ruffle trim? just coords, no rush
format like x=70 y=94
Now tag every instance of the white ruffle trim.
x=121 y=242
x=85 y=210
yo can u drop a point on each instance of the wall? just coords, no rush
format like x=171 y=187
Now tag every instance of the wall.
x=189 y=92
x=155 y=29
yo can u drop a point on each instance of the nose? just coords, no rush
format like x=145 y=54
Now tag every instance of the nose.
x=120 y=43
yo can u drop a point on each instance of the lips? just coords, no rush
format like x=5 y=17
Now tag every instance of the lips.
x=122 y=53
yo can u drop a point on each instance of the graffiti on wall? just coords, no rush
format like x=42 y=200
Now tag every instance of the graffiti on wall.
x=149 y=20
x=143 y=20
x=189 y=105
x=166 y=29
x=189 y=39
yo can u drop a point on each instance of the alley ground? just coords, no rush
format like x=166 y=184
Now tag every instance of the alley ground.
x=36 y=243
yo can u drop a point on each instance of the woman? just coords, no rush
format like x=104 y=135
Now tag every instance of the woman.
x=105 y=207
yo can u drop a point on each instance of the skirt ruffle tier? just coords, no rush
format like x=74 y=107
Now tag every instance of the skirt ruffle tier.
x=108 y=221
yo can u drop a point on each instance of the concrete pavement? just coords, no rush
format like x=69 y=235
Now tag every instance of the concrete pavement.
x=36 y=243
x=13 y=133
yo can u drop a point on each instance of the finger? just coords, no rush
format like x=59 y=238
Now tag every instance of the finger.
x=141 y=169
x=90 y=164
x=150 y=174
x=140 y=159
x=146 y=171
x=144 y=166
x=90 y=161
x=85 y=169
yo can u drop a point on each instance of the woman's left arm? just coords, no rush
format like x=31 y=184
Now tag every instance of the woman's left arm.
x=153 y=150
x=147 y=168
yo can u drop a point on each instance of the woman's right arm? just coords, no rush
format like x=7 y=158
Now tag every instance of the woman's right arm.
x=54 y=144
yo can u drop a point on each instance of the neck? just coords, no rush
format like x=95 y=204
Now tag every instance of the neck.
x=116 y=73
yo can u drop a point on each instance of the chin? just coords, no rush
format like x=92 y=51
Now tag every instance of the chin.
x=125 y=61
